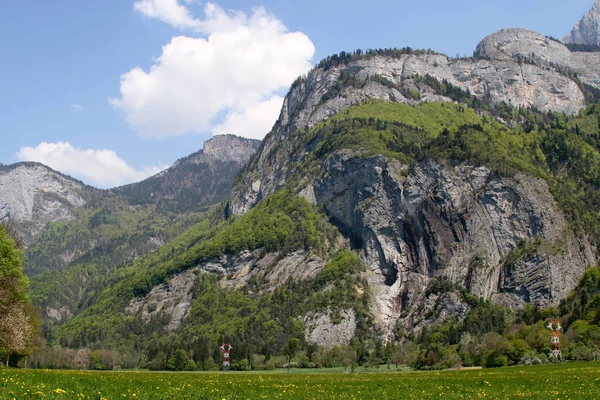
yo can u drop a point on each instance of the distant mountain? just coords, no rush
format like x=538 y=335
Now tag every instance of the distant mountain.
x=202 y=178
x=32 y=195
x=75 y=233
x=587 y=30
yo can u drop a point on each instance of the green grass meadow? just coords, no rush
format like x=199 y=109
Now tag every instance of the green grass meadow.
x=566 y=381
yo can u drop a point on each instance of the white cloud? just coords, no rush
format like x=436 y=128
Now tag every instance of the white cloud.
x=77 y=107
x=99 y=167
x=254 y=121
x=236 y=71
x=169 y=11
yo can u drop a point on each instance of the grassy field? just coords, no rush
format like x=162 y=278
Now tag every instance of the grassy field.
x=566 y=381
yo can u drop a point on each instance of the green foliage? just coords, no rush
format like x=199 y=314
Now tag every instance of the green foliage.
x=291 y=348
x=252 y=319
x=70 y=262
x=486 y=318
x=179 y=361
x=584 y=302
x=283 y=222
x=493 y=336
x=18 y=320
x=13 y=282
x=344 y=264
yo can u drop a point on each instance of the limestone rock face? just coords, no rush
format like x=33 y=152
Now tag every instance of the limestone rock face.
x=587 y=66
x=229 y=148
x=587 y=30
x=324 y=330
x=172 y=300
x=522 y=44
x=309 y=102
x=32 y=195
x=457 y=222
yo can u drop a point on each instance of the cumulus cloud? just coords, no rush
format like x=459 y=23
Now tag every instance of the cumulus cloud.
x=217 y=83
x=253 y=120
x=99 y=167
x=77 y=107
x=169 y=11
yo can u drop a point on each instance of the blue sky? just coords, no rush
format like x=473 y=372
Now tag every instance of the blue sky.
x=92 y=81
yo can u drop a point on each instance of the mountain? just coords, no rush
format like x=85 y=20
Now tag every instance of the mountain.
x=587 y=30
x=399 y=189
x=401 y=194
x=76 y=234
x=204 y=177
x=32 y=195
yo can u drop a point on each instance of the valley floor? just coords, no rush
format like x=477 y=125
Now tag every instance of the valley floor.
x=565 y=381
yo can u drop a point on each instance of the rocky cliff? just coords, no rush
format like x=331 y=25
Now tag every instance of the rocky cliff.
x=414 y=224
x=498 y=74
x=32 y=195
x=454 y=221
x=587 y=30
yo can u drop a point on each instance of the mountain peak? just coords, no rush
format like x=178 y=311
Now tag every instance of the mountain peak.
x=587 y=30
x=518 y=44
x=230 y=148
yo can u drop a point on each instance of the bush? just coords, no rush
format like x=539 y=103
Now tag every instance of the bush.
x=495 y=359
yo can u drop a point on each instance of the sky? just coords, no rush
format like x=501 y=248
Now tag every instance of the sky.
x=114 y=91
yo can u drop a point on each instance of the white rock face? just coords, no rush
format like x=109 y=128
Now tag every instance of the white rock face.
x=500 y=80
x=173 y=299
x=458 y=222
x=323 y=330
x=587 y=66
x=230 y=148
x=587 y=30
x=515 y=44
x=33 y=195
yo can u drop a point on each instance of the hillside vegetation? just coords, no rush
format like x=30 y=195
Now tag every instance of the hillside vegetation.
x=250 y=318
x=562 y=149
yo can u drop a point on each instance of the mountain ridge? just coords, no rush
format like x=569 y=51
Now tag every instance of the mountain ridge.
x=75 y=233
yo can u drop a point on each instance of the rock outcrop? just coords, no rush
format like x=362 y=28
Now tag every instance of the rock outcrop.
x=523 y=44
x=32 y=195
x=457 y=222
x=174 y=299
x=587 y=30
x=225 y=148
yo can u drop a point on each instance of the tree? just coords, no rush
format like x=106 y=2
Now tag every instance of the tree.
x=17 y=317
x=178 y=361
x=291 y=348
